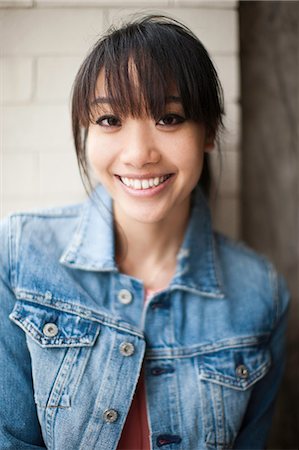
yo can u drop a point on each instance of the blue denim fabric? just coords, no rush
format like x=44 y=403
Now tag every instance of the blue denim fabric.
x=71 y=351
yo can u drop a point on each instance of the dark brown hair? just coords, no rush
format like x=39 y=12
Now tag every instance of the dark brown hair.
x=165 y=53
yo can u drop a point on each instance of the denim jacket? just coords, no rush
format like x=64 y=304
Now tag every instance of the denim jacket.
x=74 y=335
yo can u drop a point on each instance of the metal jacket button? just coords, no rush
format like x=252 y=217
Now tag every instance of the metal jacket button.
x=125 y=297
x=50 y=329
x=110 y=415
x=126 y=348
x=242 y=371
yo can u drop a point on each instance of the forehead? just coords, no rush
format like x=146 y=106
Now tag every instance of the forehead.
x=102 y=95
x=101 y=84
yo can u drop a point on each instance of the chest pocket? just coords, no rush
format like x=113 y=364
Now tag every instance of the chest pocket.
x=235 y=368
x=59 y=344
x=226 y=381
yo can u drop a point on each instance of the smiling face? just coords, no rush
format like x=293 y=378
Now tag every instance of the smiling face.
x=148 y=166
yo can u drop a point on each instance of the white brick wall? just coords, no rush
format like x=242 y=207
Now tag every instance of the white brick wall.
x=42 y=44
x=17 y=79
x=57 y=71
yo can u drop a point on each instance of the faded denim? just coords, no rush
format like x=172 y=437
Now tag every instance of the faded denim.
x=71 y=350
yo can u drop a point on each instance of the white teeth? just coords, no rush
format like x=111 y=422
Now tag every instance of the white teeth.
x=143 y=184
x=137 y=184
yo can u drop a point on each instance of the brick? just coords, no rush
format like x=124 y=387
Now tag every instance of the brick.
x=19 y=204
x=20 y=174
x=17 y=79
x=230 y=4
x=59 y=174
x=16 y=3
x=216 y=28
x=55 y=76
x=49 y=31
x=99 y=3
x=48 y=200
x=227 y=67
x=137 y=3
x=36 y=127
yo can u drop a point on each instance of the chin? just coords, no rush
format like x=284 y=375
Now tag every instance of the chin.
x=147 y=219
x=148 y=216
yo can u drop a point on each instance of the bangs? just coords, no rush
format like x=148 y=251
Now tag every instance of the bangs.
x=144 y=64
x=135 y=85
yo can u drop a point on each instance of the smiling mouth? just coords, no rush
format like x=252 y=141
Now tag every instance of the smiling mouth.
x=142 y=184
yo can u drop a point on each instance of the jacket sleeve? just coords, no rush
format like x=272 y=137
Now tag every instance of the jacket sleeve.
x=19 y=426
x=257 y=421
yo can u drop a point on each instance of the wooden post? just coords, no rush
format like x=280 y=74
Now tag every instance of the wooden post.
x=269 y=50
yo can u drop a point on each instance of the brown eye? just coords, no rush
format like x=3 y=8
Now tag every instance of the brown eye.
x=108 y=121
x=170 y=119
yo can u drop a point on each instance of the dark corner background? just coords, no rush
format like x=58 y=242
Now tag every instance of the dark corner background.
x=269 y=55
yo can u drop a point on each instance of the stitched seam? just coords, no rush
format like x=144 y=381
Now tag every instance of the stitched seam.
x=205 y=349
x=35 y=334
x=258 y=375
x=95 y=424
x=62 y=377
x=83 y=361
x=80 y=234
x=77 y=310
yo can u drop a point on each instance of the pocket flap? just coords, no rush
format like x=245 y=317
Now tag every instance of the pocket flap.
x=51 y=327
x=236 y=368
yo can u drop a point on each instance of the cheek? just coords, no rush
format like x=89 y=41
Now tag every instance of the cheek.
x=191 y=157
x=93 y=159
x=95 y=156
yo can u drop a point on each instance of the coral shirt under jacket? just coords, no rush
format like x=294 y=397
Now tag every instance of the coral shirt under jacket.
x=74 y=334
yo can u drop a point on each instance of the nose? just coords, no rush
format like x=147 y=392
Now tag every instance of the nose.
x=139 y=146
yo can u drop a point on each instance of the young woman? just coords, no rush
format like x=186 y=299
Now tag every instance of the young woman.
x=126 y=322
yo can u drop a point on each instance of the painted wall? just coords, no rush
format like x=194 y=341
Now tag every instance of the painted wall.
x=42 y=43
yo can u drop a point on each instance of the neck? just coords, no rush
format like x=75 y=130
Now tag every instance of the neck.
x=143 y=248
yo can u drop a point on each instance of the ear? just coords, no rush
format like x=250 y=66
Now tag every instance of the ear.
x=209 y=146
x=209 y=143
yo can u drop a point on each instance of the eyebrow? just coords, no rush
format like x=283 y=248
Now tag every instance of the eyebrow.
x=107 y=100
x=173 y=99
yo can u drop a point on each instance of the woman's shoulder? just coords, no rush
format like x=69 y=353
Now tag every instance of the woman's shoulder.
x=67 y=210
x=251 y=274
x=38 y=220
x=59 y=219
x=238 y=252
x=43 y=228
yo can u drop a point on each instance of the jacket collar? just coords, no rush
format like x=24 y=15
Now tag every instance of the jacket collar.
x=92 y=245
x=198 y=267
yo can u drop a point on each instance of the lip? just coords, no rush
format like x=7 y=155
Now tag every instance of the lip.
x=150 y=192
